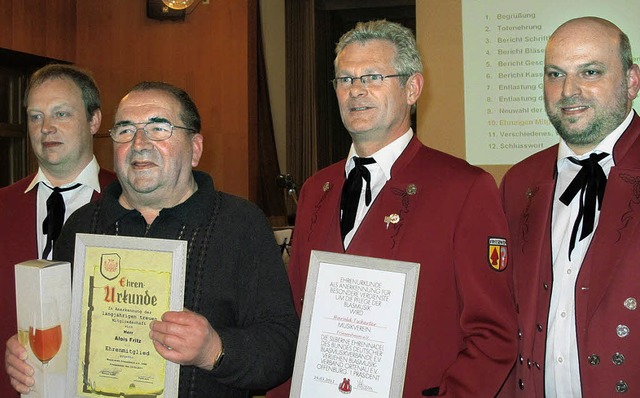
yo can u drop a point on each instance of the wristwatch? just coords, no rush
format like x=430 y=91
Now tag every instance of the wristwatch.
x=219 y=359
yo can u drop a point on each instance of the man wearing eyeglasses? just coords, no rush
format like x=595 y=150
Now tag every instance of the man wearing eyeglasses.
x=413 y=204
x=63 y=113
x=239 y=327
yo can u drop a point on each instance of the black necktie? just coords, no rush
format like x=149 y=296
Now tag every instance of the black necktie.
x=351 y=193
x=52 y=224
x=590 y=182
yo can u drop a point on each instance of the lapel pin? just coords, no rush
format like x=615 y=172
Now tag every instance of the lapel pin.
x=411 y=190
x=326 y=186
x=531 y=192
x=391 y=219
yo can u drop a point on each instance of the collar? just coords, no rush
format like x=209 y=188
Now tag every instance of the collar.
x=190 y=212
x=88 y=176
x=385 y=157
x=606 y=145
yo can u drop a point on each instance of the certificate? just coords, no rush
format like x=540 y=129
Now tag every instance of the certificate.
x=121 y=284
x=355 y=327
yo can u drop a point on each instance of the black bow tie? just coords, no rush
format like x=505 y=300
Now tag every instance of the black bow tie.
x=52 y=224
x=590 y=182
x=351 y=193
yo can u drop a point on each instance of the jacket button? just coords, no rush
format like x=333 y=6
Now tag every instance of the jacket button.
x=617 y=358
x=539 y=326
x=594 y=359
x=528 y=363
x=631 y=304
x=621 y=387
x=521 y=359
x=545 y=286
x=521 y=384
x=519 y=334
x=622 y=330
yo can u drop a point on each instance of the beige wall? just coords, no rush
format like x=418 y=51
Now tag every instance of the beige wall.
x=441 y=105
x=272 y=18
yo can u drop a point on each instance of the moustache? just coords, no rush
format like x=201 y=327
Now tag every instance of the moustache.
x=565 y=102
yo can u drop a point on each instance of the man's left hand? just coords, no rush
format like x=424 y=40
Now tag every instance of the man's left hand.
x=186 y=338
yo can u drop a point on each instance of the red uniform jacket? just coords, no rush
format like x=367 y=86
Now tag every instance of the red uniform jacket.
x=18 y=243
x=463 y=340
x=608 y=285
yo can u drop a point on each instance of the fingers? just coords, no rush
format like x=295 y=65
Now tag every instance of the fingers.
x=19 y=371
x=21 y=382
x=186 y=338
x=167 y=352
x=178 y=328
x=15 y=348
x=166 y=333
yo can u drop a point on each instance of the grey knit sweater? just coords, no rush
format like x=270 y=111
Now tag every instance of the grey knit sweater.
x=235 y=278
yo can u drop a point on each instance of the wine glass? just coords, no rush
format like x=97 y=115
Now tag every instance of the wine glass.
x=45 y=332
x=23 y=337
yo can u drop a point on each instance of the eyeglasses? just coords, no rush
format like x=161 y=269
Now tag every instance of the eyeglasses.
x=155 y=131
x=371 y=80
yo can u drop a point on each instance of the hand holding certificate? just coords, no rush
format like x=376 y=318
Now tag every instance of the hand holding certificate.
x=121 y=285
x=187 y=338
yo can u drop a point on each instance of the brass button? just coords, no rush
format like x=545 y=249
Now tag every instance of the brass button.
x=594 y=359
x=617 y=358
x=621 y=386
x=411 y=189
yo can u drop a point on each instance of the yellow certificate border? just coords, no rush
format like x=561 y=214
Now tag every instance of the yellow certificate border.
x=121 y=284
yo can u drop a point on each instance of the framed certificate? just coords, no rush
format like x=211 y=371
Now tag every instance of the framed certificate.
x=120 y=284
x=355 y=327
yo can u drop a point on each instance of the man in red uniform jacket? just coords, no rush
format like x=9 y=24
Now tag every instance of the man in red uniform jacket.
x=575 y=248
x=424 y=206
x=63 y=114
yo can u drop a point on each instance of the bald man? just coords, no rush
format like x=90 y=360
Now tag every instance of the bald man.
x=573 y=212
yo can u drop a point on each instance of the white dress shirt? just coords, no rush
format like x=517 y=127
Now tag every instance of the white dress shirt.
x=73 y=199
x=380 y=174
x=562 y=370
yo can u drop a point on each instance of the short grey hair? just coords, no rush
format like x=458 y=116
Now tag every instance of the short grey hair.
x=407 y=60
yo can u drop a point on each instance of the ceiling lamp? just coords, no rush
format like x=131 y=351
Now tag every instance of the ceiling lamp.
x=178 y=4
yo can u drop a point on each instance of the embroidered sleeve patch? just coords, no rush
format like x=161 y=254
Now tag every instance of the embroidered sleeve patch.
x=497 y=254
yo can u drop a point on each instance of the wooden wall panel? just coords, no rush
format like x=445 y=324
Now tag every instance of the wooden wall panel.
x=6 y=23
x=41 y=27
x=210 y=54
